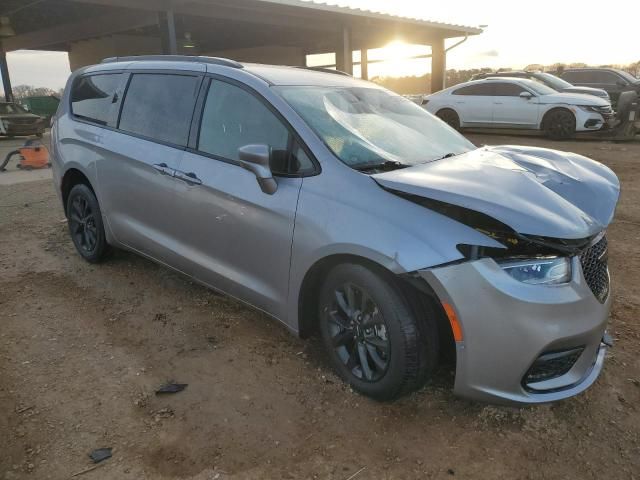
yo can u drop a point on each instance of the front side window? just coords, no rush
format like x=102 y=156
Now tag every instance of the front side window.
x=160 y=106
x=507 y=90
x=367 y=126
x=233 y=118
x=607 y=78
x=92 y=97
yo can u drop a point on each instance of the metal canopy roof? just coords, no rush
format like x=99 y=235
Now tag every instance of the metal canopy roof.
x=360 y=12
x=54 y=24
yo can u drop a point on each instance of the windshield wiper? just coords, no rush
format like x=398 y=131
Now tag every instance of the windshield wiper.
x=448 y=155
x=387 y=165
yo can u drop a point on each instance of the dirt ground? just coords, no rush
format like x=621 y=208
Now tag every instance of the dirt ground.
x=83 y=348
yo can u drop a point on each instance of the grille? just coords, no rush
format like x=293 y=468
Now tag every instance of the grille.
x=595 y=269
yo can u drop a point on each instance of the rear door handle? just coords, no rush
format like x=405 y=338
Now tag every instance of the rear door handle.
x=188 y=177
x=164 y=169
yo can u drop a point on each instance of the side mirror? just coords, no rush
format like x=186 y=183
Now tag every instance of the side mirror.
x=256 y=159
x=621 y=83
x=526 y=95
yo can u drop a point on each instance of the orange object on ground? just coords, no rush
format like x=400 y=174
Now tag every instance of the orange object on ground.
x=31 y=156
x=34 y=157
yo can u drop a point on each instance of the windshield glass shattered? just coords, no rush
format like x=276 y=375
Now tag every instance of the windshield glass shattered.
x=374 y=127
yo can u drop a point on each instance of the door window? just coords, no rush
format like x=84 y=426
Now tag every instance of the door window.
x=478 y=89
x=92 y=97
x=606 y=78
x=160 y=106
x=233 y=118
x=507 y=90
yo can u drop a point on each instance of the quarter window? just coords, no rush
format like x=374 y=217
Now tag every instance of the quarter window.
x=92 y=97
x=160 y=106
x=233 y=118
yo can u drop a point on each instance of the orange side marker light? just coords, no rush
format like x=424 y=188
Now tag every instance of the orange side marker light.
x=456 y=328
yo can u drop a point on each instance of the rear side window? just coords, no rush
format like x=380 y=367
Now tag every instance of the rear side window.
x=480 y=89
x=92 y=97
x=579 y=77
x=160 y=106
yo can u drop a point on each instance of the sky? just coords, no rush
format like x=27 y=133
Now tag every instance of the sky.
x=518 y=34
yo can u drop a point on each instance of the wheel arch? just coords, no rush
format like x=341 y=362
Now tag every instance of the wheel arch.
x=545 y=116
x=312 y=281
x=70 y=179
x=416 y=291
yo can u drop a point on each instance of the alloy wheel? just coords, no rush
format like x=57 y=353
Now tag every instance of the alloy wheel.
x=358 y=333
x=82 y=224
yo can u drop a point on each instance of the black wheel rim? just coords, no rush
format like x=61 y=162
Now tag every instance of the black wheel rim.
x=82 y=223
x=562 y=125
x=450 y=119
x=358 y=333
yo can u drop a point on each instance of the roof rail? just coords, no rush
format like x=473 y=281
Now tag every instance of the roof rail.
x=327 y=70
x=225 y=62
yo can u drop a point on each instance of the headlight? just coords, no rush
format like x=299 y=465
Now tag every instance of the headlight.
x=588 y=108
x=539 y=271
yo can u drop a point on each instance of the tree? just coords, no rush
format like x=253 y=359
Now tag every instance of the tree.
x=22 y=91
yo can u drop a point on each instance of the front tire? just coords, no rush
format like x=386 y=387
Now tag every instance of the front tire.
x=559 y=124
x=375 y=340
x=85 y=224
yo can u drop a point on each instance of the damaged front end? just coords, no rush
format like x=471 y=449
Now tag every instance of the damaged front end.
x=528 y=316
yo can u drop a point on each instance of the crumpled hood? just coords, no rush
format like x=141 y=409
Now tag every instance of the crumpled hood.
x=535 y=191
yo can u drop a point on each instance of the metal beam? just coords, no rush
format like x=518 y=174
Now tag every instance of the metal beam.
x=364 y=64
x=344 y=52
x=73 y=32
x=168 y=32
x=438 y=66
x=6 y=80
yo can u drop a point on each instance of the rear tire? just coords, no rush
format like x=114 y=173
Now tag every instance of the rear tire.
x=85 y=224
x=450 y=117
x=375 y=340
x=559 y=124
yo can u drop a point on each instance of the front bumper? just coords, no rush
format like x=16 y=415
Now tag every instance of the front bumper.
x=507 y=325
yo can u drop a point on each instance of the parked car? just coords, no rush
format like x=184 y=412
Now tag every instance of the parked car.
x=16 y=121
x=44 y=106
x=549 y=80
x=338 y=207
x=612 y=80
x=502 y=102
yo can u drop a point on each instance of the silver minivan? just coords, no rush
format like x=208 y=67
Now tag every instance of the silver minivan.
x=342 y=209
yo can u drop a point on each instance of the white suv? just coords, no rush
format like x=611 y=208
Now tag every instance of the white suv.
x=501 y=102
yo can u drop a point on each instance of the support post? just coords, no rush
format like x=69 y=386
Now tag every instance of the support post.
x=364 y=64
x=438 y=66
x=4 y=73
x=166 y=21
x=344 y=53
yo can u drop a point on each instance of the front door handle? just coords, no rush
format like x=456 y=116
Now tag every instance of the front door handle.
x=164 y=169
x=188 y=177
